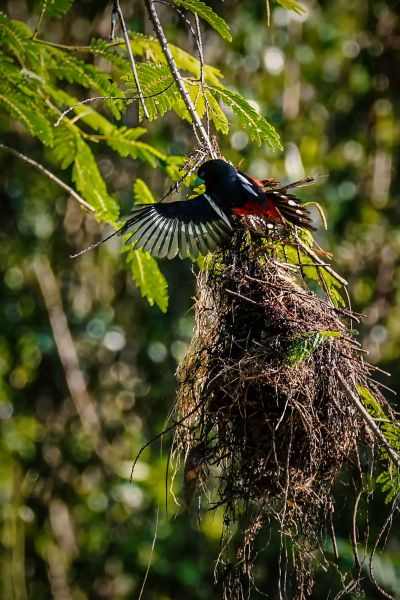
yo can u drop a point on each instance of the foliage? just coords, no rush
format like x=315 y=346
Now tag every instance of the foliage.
x=292 y=5
x=71 y=523
x=32 y=71
x=389 y=479
x=306 y=344
x=55 y=8
x=205 y=12
x=144 y=267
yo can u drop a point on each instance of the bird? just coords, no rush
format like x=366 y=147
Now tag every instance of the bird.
x=202 y=224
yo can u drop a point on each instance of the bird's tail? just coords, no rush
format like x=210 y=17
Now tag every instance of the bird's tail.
x=288 y=205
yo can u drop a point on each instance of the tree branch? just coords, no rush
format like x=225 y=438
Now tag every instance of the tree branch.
x=118 y=11
x=48 y=174
x=197 y=124
x=66 y=348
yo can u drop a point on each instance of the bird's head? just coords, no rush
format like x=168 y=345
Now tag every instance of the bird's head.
x=214 y=173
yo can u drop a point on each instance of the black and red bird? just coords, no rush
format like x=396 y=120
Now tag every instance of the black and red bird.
x=201 y=225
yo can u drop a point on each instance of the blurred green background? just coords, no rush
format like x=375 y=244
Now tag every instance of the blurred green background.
x=73 y=415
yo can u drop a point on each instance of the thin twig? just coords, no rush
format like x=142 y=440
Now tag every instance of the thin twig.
x=67 y=48
x=370 y=422
x=199 y=42
x=118 y=10
x=48 y=174
x=316 y=258
x=162 y=433
x=39 y=21
x=371 y=558
x=243 y=297
x=353 y=535
x=151 y=552
x=177 y=76
x=127 y=99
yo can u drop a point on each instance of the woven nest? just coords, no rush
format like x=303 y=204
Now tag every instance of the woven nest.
x=260 y=405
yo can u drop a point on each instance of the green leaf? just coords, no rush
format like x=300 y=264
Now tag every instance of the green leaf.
x=123 y=141
x=389 y=479
x=207 y=13
x=64 y=149
x=56 y=8
x=159 y=88
x=14 y=35
x=333 y=286
x=149 y=279
x=149 y=48
x=335 y=334
x=303 y=347
x=66 y=67
x=90 y=183
x=101 y=47
x=19 y=107
x=141 y=193
x=292 y=5
x=256 y=125
x=217 y=116
x=375 y=408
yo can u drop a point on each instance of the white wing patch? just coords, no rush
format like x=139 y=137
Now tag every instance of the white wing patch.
x=218 y=210
x=247 y=185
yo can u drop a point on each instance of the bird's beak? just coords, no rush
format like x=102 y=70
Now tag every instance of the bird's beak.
x=198 y=181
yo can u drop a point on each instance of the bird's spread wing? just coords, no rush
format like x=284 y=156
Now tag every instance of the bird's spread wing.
x=190 y=227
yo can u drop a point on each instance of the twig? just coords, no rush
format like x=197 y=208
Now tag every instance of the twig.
x=197 y=38
x=89 y=100
x=370 y=422
x=315 y=257
x=151 y=553
x=199 y=42
x=117 y=9
x=332 y=528
x=353 y=535
x=243 y=297
x=177 y=76
x=67 y=48
x=48 y=174
x=371 y=558
x=162 y=433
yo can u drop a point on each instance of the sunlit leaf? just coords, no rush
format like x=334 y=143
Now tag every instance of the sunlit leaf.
x=56 y=8
x=148 y=278
x=90 y=183
x=206 y=12
x=292 y=5
x=258 y=128
x=142 y=193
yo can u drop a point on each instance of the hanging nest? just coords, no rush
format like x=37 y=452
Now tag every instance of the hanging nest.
x=260 y=405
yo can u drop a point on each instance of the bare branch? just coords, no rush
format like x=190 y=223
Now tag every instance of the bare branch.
x=117 y=9
x=50 y=175
x=65 y=347
x=197 y=124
